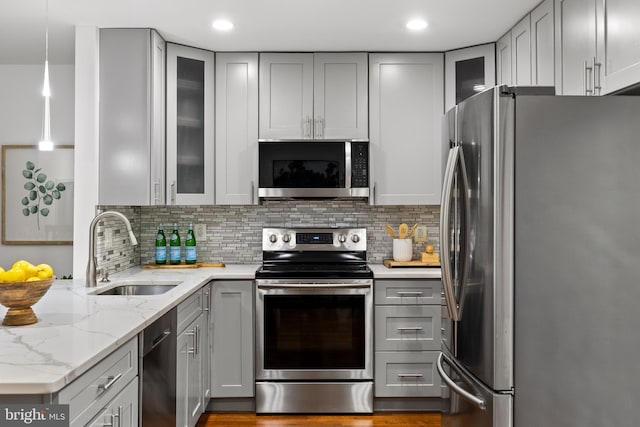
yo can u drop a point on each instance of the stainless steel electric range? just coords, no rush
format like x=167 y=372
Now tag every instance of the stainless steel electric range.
x=314 y=322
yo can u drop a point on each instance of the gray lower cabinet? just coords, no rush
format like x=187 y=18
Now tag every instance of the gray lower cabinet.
x=407 y=337
x=189 y=362
x=122 y=411
x=106 y=392
x=232 y=326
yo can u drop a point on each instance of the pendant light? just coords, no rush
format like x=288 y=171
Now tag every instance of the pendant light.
x=46 y=144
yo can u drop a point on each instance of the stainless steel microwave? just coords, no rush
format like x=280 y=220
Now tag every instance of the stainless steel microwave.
x=313 y=169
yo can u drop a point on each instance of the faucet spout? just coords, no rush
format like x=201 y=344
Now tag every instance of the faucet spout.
x=92 y=264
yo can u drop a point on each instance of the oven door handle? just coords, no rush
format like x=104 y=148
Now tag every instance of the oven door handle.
x=314 y=286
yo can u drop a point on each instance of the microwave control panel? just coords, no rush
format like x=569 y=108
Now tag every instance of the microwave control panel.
x=359 y=164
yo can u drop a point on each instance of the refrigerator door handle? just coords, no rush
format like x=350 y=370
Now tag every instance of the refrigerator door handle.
x=454 y=161
x=475 y=400
x=445 y=211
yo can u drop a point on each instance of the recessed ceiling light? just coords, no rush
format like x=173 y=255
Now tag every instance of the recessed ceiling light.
x=222 y=25
x=417 y=24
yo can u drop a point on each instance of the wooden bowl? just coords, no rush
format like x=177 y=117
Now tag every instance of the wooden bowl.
x=18 y=297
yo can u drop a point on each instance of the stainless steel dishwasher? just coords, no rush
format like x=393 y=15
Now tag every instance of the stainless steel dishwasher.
x=158 y=372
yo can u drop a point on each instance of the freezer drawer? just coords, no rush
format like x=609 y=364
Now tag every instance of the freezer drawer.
x=470 y=402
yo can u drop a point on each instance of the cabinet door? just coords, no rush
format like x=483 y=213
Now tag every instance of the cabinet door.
x=190 y=118
x=340 y=96
x=122 y=411
x=205 y=336
x=406 y=108
x=236 y=128
x=542 y=45
x=618 y=44
x=189 y=378
x=286 y=95
x=232 y=357
x=131 y=147
x=503 y=60
x=468 y=71
x=575 y=40
x=521 y=52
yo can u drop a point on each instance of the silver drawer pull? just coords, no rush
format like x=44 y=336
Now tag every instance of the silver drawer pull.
x=409 y=293
x=410 y=328
x=410 y=375
x=111 y=380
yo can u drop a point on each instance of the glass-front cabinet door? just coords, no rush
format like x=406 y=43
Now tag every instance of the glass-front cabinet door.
x=190 y=125
x=468 y=71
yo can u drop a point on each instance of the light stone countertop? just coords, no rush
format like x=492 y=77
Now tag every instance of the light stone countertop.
x=382 y=272
x=75 y=329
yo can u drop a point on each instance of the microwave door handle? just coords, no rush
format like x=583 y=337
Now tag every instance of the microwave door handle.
x=445 y=211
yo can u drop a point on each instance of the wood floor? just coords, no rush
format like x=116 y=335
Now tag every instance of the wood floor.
x=221 y=419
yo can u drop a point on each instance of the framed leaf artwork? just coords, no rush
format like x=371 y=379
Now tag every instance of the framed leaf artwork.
x=37 y=195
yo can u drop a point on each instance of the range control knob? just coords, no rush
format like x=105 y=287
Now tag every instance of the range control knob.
x=273 y=238
x=342 y=238
x=355 y=238
x=286 y=238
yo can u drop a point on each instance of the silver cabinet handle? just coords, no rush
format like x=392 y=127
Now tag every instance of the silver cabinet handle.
x=156 y=186
x=409 y=293
x=477 y=401
x=118 y=415
x=410 y=375
x=588 y=75
x=253 y=192
x=307 y=127
x=409 y=328
x=321 y=127
x=173 y=193
x=207 y=300
x=597 y=68
x=111 y=380
x=197 y=339
x=192 y=350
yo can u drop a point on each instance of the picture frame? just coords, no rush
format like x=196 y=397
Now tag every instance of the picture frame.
x=37 y=195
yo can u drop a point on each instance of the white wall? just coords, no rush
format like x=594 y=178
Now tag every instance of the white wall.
x=21 y=109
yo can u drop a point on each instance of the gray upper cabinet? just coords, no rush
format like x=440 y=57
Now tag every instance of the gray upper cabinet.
x=468 y=71
x=503 y=60
x=190 y=125
x=313 y=96
x=521 y=52
x=132 y=123
x=406 y=108
x=575 y=41
x=340 y=95
x=236 y=128
x=618 y=44
x=542 y=45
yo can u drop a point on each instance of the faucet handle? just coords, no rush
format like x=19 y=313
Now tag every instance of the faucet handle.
x=104 y=275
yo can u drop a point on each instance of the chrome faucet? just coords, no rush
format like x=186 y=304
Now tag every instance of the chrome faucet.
x=92 y=264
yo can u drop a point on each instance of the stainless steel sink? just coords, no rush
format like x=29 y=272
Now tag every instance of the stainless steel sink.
x=154 y=287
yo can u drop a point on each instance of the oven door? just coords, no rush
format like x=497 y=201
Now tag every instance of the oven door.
x=314 y=331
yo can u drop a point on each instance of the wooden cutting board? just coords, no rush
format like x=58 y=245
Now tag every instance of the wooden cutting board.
x=196 y=265
x=389 y=263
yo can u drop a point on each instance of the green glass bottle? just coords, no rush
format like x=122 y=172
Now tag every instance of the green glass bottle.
x=174 y=246
x=190 y=247
x=161 y=246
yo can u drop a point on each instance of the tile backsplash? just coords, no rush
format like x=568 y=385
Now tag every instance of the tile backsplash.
x=234 y=232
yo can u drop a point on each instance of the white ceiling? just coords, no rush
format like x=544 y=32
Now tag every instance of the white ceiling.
x=260 y=25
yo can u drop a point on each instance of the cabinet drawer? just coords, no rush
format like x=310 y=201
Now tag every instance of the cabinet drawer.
x=407 y=292
x=93 y=389
x=190 y=309
x=407 y=374
x=407 y=328
x=122 y=411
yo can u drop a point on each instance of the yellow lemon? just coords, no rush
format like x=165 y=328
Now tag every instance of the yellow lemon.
x=44 y=271
x=29 y=269
x=33 y=279
x=14 y=275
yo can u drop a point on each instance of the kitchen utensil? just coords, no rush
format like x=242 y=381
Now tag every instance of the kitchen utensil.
x=413 y=231
x=403 y=230
x=390 y=231
x=402 y=249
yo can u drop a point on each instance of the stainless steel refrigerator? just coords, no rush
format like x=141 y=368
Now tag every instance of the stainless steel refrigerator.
x=540 y=241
